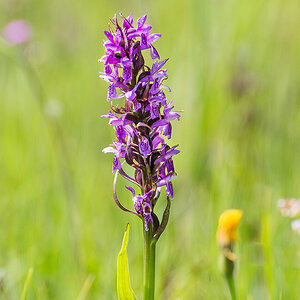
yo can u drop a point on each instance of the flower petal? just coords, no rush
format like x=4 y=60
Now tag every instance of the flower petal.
x=154 y=37
x=109 y=36
x=154 y=53
x=141 y=21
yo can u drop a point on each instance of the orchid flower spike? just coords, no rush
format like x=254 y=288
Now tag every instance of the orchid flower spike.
x=142 y=122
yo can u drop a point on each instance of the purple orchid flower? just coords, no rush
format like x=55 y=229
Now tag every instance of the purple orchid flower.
x=165 y=155
x=142 y=205
x=142 y=28
x=167 y=181
x=143 y=120
x=119 y=150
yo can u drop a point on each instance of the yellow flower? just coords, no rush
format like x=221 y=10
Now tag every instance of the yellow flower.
x=229 y=221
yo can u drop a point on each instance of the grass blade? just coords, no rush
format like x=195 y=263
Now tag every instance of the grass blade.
x=124 y=288
x=86 y=287
x=26 y=284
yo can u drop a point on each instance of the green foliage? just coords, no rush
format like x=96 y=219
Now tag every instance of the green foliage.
x=123 y=281
x=234 y=69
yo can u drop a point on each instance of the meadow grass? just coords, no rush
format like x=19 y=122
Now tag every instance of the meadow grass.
x=234 y=69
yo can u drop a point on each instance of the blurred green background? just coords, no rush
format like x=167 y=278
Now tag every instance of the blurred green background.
x=234 y=69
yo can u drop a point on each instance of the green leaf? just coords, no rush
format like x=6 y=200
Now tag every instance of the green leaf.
x=124 y=289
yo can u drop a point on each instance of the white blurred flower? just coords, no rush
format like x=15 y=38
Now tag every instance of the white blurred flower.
x=53 y=108
x=296 y=226
x=289 y=207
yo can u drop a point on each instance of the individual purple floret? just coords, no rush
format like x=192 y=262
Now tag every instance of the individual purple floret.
x=142 y=119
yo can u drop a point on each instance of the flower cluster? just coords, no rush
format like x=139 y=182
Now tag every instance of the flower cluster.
x=142 y=121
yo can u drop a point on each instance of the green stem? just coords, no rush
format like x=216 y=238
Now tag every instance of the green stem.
x=231 y=286
x=149 y=264
x=229 y=268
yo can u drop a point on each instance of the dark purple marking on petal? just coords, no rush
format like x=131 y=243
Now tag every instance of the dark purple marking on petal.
x=127 y=73
x=107 y=70
x=144 y=42
x=111 y=92
x=121 y=133
x=170 y=165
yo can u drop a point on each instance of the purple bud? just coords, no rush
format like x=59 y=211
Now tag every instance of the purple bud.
x=139 y=176
x=116 y=164
x=170 y=189
x=145 y=147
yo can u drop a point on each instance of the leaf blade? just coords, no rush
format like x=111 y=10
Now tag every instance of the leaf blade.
x=123 y=280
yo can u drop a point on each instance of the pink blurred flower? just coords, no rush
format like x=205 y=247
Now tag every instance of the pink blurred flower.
x=17 y=32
